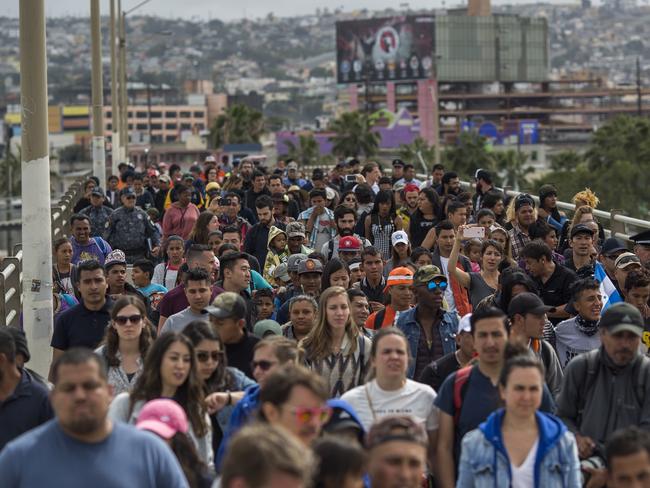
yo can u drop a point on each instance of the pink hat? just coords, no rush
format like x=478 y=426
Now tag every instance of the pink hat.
x=163 y=417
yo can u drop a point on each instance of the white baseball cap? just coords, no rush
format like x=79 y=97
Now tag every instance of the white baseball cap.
x=464 y=324
x=399 y=236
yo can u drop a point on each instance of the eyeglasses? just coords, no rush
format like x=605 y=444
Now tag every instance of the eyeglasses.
x=203 y=356
x=263 y=365
x=122 y=319
x=305 y=415
x=432 y=285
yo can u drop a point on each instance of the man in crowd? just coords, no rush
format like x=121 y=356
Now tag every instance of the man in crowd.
x=349 y=248
x=399 y=289
x=84 y=324
x=197 y=291
x=637 y=292
x=24 y=402
x=628 y=458
x=409 y=198
x=625 y=263
x=581 y=243
x=345 y=220
x=259 y=189
x=374 y=282
x=296 y=237
x=293 y=177
x=524 y=218
x=527 y=315
x=164 y=184
x=130 y=229
x=359 y=307
x=277 y=188
x=82 y=443
x=642 y=246
x=228 y=319
x=449 y=184
x=310 y=272
x=429 y=329
x=483 y=179
x=143 y=198
x=609 y=388
x=246 y=172
x=398 y=170
x=456 y=295
x=318 y=220
x=409 y=176
x=456 y=214
x=229 y=214
x=84 y=247
x=553 y=280
x=257 y=237
x=97 y=212
x=609 y=251
x=236 y=278
x=112 y=191
x=371 y=172
x=437 y=173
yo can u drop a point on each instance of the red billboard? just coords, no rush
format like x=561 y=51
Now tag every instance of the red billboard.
x=386 y=49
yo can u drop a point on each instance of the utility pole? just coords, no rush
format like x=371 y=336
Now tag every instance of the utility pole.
x=115 y=119
x=638 y=87
x=124 y=102
x=36 y=212
x=99 y=155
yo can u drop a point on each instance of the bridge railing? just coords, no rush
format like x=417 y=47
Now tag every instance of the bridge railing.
x=11 y=270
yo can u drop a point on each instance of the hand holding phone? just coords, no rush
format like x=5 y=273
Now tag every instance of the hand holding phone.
x=474 y=232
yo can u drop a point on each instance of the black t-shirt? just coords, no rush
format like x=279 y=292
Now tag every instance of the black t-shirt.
x=240 y=355
x=419 y=227
x=556 y=291
x=584 y=272
x=80 y=327
x=436 y=372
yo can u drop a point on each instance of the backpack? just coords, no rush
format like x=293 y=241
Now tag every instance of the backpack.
x=101 y=245
x=461 y=381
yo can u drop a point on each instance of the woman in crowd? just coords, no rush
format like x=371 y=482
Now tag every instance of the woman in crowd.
x=223 y=384
x=382 y=222
x=166 y=274
x=400 y=251
x=62 y=269
x=302 y=313
x=335 y=273
x=126 y=343
x=421 y=257
x=215 y=239
x=548 y=211
x=425 y=217
x=485 y=282
x=390 y=390
x=349 y=199
x=519 y=445
x=168 y=420
x=501 y=235
x=494 y=200
x=335 y=347
x=206 y=223
x=181 y=215
x=170 y=371
x=485 y=218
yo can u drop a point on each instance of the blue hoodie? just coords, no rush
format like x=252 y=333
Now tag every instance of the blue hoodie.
x=484 y=460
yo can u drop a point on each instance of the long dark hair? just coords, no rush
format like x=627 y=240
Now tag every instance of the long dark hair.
x=333 y=265
x=200 y=232
x=221 y=379
x=191 y=464
x=385 y=196
x=112 y=339
x=189 y=395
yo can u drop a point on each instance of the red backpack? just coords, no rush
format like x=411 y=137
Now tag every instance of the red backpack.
x=460 y=388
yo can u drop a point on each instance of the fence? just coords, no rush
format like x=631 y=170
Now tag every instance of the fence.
x=11 y=274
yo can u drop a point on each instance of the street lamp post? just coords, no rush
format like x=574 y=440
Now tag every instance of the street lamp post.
x=99 y=156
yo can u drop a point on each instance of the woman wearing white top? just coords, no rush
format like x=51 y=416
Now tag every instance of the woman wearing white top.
x=519 y=446
x=390 y=392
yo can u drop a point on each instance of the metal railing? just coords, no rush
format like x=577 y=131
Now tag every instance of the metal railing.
x=11 y=272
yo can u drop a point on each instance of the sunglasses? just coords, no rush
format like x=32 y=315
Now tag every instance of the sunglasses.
x=122 y=319
x=305 y=415
x=130 y=197
x=203 y=356
x=432 y=285
x=263 y=365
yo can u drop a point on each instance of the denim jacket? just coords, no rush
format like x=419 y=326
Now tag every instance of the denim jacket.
x=407 y=323
x=484 y=460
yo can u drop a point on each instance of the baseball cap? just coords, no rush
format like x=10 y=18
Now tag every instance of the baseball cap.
x=622 y=316
x=210 y=159
x=116 y=256
x=281 y=272
x=293 y=260
x=399 y=236
x=524 y=199
x=164 y=417
x=165 y=178
x=97 y=191
x=482 y=174
x=212 y=186
x=128 y=191
x=349 y=244
x=612 y=245
x=317 y=175
x=581 y=229
x=188 y=176
x=292 y=165
x=396 y=428
x=296 y=229
x=330 y=194
x=464 y=324
x=354 y=264
x=266 y=327
x=227 y=305
x=411 y=187
x=399 y=276
x=626 y=259
x=527 y=303
x=310 y=265
x=280 y=198
x=425 y=274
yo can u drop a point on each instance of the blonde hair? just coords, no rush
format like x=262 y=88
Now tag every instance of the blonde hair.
x=511 y=214
x=580 y=211
x=507 y=249
x=318 y=343
x=587 y=196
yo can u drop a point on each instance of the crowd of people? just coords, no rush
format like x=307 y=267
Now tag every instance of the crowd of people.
x=348 y=327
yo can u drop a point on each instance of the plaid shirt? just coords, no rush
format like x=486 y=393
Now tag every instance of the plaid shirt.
x=518 y=240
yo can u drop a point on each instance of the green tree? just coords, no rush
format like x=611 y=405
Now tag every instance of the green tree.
x=419 y=148
x=469 y=154
x=74 y=153
x=306 y=152
x=354 y=136
x=238 y=125
x=10 y=165
x=511 y=164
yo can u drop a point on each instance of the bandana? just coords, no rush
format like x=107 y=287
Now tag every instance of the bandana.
x=587 y=327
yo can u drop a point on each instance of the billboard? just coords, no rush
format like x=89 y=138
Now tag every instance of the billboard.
x=385 y=49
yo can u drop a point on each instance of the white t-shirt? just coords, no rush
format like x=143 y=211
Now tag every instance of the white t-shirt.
x=449 y=293
x=524 y=476
x=414 y=399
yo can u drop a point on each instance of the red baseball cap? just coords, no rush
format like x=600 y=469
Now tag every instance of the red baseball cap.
x=349 y=243
x=411 y=187
x=164 y=417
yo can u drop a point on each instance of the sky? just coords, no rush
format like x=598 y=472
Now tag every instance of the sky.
x=229 y=10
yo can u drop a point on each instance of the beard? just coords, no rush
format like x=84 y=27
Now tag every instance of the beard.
x=345 y=232
x=84 y=425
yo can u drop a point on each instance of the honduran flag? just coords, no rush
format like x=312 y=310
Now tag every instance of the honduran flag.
x=607 y=289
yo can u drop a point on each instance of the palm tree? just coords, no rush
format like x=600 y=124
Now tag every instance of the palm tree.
x=306 y=152
x=419 y=148
x=10 y=166
x=512 y=165
x=238 y=125
x=469 y=154
x=354 y=136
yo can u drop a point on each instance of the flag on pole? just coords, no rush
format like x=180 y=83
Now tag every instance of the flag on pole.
x=607 y=289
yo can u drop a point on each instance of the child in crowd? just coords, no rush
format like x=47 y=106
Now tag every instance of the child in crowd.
x=141 y=275
x=472 y=251
x=166 y=274
x=278 y=252
x=154 y=215
x=265 y=304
